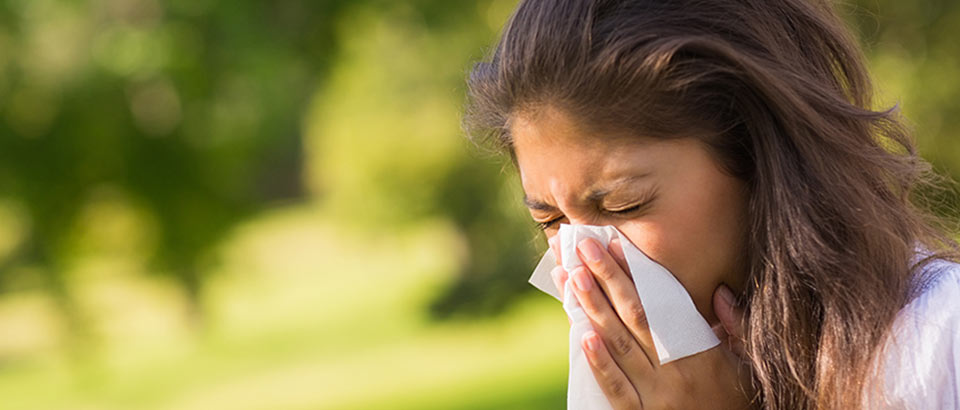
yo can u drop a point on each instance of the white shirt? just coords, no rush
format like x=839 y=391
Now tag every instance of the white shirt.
x=922 y=369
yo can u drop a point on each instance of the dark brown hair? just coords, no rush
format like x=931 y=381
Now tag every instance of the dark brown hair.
x=778 y=89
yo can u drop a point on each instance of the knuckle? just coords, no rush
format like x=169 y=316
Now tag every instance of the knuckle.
x=618 y=389
x=622 y=345
x=637 y=316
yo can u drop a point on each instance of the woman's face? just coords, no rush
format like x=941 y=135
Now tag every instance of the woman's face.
x=668 y=197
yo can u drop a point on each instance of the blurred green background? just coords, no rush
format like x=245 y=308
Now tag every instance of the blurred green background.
x=269 y=204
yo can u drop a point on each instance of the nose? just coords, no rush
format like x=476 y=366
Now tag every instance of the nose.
x=580 y=220
x=575 y=215
x=584 y=217
x=590 y=217
x=577 y=212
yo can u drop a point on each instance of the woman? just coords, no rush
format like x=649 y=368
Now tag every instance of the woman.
x=735 y=143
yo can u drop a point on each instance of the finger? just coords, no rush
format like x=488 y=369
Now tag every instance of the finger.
x=616 y=250
x=559 y=276
x=627 y=353
x=613 y=382
x=554 y=243
x=621 y=291
x=731 y=317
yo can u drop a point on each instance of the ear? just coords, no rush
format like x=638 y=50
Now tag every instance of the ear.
x=731 y=318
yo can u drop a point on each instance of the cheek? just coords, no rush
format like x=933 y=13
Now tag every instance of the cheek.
x=673 y=244
x=697 y=241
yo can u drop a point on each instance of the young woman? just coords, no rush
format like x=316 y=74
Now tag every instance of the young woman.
x=736 y=143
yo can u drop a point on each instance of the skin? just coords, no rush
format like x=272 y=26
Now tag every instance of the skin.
x=673 y=202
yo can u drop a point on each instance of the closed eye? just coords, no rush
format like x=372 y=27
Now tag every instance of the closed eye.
x=547 y=224
x=626 y=210
x=641 y=205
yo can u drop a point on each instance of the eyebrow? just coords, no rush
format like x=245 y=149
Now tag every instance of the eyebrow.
x=537 y=205
x=595 y=195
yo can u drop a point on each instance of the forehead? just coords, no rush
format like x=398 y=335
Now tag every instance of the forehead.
x=553 y=148
x=551 y=125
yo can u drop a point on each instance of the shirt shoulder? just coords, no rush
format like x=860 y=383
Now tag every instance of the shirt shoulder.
x=922 y=355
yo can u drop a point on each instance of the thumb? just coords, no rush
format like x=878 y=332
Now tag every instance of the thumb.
x=731 y=318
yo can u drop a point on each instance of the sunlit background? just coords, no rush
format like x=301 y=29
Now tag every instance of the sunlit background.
x=269 y=204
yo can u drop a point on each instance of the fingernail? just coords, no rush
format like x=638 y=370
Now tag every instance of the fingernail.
x=559 y=277
x=592 y=342
x=555 y=273
x=581 y=280
x=727 y=295
x=590 y=250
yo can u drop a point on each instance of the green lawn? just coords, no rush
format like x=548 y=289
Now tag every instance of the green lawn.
x=302 y=314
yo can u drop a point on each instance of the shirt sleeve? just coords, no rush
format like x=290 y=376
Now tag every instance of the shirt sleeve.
x=922 y=355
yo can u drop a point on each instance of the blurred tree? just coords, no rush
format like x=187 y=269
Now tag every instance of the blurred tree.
x=190 y=109
x=915 y=59
x=387 y=151
x=502 y=252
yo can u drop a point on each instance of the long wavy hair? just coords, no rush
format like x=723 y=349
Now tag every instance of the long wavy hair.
x=839 y=199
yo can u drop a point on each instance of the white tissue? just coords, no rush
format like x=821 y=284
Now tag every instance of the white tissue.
x=677 y=328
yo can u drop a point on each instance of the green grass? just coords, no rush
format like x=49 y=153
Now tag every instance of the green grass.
x=302 y=314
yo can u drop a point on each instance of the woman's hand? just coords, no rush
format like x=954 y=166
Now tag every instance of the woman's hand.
x=621 y=351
